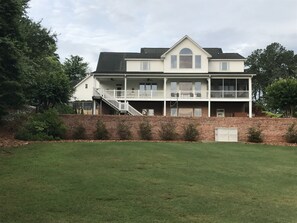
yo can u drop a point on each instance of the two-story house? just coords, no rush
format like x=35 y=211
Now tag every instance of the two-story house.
x=184 y=80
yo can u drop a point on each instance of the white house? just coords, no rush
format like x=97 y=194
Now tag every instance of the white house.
x=183 y=80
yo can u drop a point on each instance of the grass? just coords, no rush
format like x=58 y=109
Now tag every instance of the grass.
x=148 y=182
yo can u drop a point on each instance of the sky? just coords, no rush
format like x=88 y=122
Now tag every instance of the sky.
x=88 y=27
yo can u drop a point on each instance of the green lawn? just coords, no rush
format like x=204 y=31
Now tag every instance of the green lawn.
x=148 y=182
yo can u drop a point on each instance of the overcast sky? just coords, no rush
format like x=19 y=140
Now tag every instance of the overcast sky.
x=88 y=27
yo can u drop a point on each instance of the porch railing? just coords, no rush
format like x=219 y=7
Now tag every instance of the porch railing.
x=229 y=94
x=159 y=94
x=113 y=102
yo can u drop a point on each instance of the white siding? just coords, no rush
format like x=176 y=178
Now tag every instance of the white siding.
x=234 y=66
x=134 y=66
x=196 y=51
x=81 y=92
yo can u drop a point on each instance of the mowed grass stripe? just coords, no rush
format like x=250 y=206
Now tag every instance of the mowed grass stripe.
x=148 y=182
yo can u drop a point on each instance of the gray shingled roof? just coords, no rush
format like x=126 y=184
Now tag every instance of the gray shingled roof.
x=113 y=62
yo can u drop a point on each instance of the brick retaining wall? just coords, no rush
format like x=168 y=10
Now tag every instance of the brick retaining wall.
x=273 y=129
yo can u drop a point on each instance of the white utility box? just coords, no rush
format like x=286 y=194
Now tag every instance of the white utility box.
x=226 y=135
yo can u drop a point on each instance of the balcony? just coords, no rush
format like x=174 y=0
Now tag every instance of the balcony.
x=180 y=95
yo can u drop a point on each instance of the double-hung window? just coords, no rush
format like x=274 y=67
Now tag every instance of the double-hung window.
x=224 y=66
x=198 y=61
x=145 y=65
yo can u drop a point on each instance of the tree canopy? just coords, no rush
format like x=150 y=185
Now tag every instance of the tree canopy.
x=75 y=68
x=282 y=96
x=30 y=70
x=270 y=64
x=11 y=92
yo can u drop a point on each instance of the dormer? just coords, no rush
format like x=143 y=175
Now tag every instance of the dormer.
x=186 y=56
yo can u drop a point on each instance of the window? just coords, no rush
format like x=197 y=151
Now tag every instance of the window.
x=173 y=89
x=186 y=89
x=145 y=65
x=198 y=112
x=185 y=58
x=198 y=61
x=148 y=89
x=198 y=89
x=173 y=61
x=185 y=112
x=224 y=66
x=86 y=86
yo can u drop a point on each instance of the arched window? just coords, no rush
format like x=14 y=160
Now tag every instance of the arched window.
x=185 y=58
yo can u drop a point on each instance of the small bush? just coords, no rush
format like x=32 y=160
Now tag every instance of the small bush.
x=190 y=132
x=255 y=135
x=145 y=130
x=168 y=131
x=101 y=131
x=123 y=130
x=42 y=126
x=79 y=132
x=64 y=109
x=291 y=134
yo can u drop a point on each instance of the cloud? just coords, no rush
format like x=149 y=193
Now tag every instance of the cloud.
x=87 y=27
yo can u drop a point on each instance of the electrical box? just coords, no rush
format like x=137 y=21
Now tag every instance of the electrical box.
x=226 y=134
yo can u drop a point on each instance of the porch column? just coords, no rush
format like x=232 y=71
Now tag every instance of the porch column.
x=250 y=98
x=94 y=107
x=125 y=89
x=209 y=94
x=164 y=93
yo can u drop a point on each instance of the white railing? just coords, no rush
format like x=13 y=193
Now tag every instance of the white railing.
x=188 y=94
x=112 y=101
x=159 y=94
x=229 y=94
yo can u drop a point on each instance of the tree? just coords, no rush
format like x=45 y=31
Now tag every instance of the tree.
x=11 y=92
x=270 y=64
x=51 y=86
x=75 y=69
x=282 y=95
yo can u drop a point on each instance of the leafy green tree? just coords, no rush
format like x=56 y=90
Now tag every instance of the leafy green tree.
x=270 y=64
x=75 y=68
x=51 y=86
x=282 y=96
x=11 y=92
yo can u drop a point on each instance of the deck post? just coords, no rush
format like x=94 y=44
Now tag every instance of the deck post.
x=209 y=97
x=164 y=96
x=250 y=98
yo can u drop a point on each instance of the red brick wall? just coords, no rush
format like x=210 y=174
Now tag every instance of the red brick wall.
x=273 y=129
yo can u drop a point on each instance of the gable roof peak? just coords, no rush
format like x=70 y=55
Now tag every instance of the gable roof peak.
x=183 y=39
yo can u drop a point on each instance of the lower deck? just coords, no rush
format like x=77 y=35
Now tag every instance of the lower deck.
x=172 y=108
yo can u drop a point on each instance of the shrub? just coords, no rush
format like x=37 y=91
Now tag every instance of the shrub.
x=291 y=134
x=168 y=131
x=145 y=130
x=255 y=135
x=64 y=109
x=42 y=126
x=79 y=132
x=101 y=131
x=123 y=130
x=190 y=132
